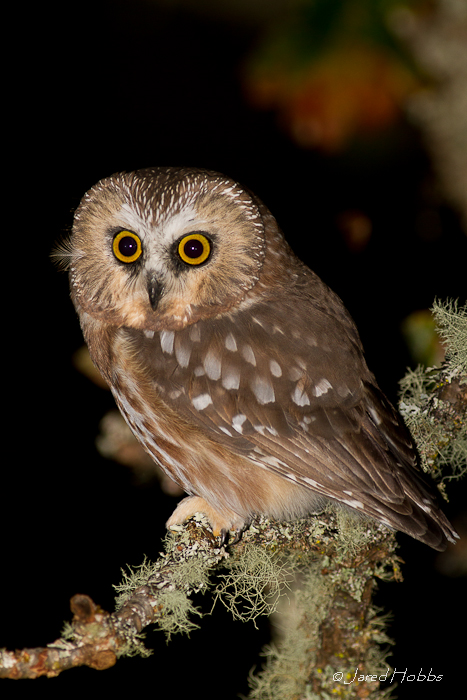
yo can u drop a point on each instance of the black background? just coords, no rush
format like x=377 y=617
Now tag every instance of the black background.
x=97 y=87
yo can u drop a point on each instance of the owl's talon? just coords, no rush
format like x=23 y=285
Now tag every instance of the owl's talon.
x=221 y=523
x=237 y=537
x=226 y=536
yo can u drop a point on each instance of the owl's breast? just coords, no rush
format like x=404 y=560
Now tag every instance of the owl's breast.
x=150 y=388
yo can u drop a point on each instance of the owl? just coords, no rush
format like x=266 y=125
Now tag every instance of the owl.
x=236 y=367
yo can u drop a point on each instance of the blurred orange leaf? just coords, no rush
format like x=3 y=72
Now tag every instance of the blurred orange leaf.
x=348 y=91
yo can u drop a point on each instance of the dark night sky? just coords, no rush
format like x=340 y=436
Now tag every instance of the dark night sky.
x=108 y=86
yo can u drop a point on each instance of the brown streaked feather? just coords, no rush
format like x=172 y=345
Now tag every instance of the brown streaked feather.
x=344 y=440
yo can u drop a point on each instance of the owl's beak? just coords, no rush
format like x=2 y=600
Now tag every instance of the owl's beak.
x=155 y=290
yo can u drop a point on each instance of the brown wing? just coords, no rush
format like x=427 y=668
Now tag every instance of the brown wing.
x=287 y=385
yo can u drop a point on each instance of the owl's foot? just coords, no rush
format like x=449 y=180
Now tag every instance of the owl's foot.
x=221 y=523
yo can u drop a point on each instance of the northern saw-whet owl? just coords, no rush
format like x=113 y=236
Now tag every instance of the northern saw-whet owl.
x=236 y=367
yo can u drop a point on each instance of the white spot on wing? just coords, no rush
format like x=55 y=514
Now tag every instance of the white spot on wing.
x=374 y=415
x=321 y=387
x=258 y=321
x=212 y=365
x=353 y=503
x=201 y=402
x=182 y=352
x=263 y=390
x=311 y=482
x=238 y=421
x=275 y=368
x=263 y=429
x=249 y=355
x=300 y=397
x=230 y=378
x=427 y=509
x=230 y=342
x=272 y=461
x=175 y=394
x=167 y=341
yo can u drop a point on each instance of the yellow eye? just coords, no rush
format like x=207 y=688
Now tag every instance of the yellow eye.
x=194 y=249
x=127 y=246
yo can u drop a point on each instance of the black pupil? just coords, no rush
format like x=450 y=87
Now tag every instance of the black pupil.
x=127 y=246
x=193 y=248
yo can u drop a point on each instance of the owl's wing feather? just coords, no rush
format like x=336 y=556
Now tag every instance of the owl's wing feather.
x=301 y=404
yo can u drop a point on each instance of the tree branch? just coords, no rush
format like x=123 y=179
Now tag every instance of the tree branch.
x=345 y=554
x=327 y=565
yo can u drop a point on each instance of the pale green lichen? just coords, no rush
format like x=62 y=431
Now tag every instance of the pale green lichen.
x=452 y=327
x=253 y=584
x=177 y=610
x=169 y=582
x=285 y=671
x=291 y=665
x=354 y=531
x=132 y=579
x=68 y=632
x=323 y=586
x=134 y=646
x=436 y=419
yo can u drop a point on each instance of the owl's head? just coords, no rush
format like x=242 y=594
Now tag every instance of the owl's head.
x=160 y=248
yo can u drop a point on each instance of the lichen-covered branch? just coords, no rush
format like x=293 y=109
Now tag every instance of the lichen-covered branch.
x=329 y=625
x=341 y=558
x=318 y=575
x=434 y=400
x=152 y=594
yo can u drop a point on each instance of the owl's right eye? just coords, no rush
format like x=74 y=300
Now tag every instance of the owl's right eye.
x=127 y=246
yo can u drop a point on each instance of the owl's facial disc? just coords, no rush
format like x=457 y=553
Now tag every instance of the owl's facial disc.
x=176 y=245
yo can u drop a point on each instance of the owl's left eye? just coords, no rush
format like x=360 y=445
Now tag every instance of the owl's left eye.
x=127 y=246
x=194 y=248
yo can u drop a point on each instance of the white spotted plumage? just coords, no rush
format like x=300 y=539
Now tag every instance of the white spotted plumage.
x=243 y=375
